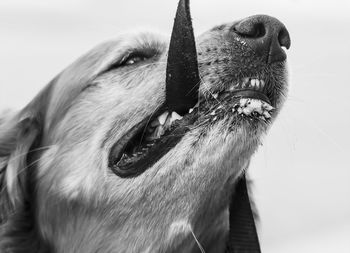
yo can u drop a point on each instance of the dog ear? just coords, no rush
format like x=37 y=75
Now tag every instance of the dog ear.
x=20 y=135
x=20 y=138
x=18 y=132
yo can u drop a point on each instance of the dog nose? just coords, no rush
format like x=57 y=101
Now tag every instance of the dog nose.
x=265 y=35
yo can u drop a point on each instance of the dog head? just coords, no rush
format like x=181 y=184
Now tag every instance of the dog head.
x=97 y=163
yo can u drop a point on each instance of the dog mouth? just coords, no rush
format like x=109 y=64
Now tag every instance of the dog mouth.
x=148 y=141
x=247 y=102
x=248 y=99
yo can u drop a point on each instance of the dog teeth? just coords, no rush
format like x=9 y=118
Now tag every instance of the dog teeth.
x=267 y=115
x=252 y=82
x=175 y=116
x=246 y=80
x=162 y=118
x=262 y=83
x=158 y=127
x=190 y=110
x=257 y=83
x=159 y=132
x=268 y=107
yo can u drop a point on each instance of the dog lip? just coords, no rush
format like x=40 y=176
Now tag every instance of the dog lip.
x=249 y=93
x=255 y=86
x=117 y=149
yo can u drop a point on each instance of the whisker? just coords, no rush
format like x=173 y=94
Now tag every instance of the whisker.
x=208 y=90
x=197 y=241
x=31 y=151
x=21 y=171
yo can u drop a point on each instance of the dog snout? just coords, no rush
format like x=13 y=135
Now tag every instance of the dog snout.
x=265 y=35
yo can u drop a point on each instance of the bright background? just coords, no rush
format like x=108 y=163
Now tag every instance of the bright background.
x=302 y=173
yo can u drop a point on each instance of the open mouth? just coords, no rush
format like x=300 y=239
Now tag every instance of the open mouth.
x=153 y=137
x=249 y=98
x=148 y=141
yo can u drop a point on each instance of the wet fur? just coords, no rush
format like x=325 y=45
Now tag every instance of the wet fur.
x=57 y=192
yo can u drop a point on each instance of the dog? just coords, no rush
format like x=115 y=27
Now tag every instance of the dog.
x=76 y=172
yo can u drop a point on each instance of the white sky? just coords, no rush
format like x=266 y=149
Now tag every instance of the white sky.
x=301 y=173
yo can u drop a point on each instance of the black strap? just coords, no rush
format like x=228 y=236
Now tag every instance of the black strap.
x=243 y=237
x=182 y=84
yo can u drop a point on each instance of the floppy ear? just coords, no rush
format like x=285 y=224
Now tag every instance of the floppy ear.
x=18 y=133
x=20 y=138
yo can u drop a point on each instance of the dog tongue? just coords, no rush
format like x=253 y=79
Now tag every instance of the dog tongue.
x=182 y=77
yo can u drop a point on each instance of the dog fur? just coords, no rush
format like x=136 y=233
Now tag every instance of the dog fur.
x=57 y=192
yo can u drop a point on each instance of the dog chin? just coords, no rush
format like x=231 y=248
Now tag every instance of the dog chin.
x=230 y=142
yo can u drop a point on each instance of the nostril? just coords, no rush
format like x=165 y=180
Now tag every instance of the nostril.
x=260 y=30
x=253 y=30
x=284 y=39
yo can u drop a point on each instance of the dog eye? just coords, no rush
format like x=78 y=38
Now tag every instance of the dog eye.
x=133 y=59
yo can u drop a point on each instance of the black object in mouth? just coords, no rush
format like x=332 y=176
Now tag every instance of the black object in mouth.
x=182 y=90
x=182 y=75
